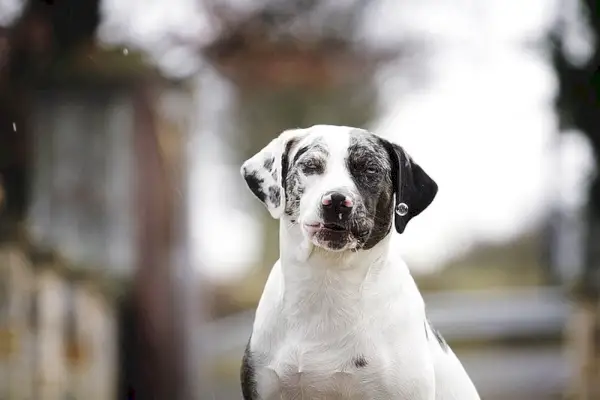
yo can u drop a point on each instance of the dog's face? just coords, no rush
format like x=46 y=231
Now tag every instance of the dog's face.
x=341 y=186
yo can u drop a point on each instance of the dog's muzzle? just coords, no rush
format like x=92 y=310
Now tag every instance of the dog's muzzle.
x=337 y=227
x=336 y=207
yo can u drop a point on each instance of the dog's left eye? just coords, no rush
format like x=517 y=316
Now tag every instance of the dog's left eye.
x=371 y=170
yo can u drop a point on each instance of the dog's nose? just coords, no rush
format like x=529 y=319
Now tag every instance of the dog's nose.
x=336 y=200
x=336 y=205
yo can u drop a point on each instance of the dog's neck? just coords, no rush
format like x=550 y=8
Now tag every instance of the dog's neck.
x=315 y=278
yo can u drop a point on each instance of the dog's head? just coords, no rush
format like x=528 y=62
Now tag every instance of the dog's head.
x=342 y=186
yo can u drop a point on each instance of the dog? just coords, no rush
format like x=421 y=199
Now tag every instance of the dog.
x=340 y=316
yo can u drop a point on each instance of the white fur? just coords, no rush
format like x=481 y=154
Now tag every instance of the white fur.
x=321 y=309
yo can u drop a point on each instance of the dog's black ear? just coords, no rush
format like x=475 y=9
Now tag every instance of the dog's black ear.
x=413 y=188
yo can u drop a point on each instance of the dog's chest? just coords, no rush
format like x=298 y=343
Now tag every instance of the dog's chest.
x=360 y=364
x=328 y=341
x=317 y=371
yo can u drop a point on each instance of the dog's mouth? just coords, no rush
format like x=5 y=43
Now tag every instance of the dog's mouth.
x=334 y=236
x=334 y=227
x=337 y=236
x=327 y=226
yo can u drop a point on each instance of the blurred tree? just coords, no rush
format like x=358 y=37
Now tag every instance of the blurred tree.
x=43 y=34
x=578 y=107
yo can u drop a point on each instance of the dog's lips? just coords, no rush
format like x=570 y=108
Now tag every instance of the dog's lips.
x=330 y=236
x=325 y=226
x=313 y=227
x=334 y=227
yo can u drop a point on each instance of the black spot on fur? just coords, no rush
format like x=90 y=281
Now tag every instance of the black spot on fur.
x=312 y=166
x=360 y=362
x=248 y=376
x=314 y=163
x=440 y=339
x=294 y=190
x=254 y=181
x=285 y=168
x=308 y=160
x=274 y=194
x=285 y=162
x=438 y=336
x=269 y=163
x=299 y=154
x=370 y=167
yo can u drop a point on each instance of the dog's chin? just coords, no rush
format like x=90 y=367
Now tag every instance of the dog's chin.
x=334 y=241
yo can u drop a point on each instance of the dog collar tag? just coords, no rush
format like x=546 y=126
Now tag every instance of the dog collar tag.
x=402 y=209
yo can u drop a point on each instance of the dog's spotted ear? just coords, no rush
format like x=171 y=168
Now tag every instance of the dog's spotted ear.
x=265 y=172
x=413 y=188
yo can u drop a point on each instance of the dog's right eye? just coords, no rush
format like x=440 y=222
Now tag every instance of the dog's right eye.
x=311 y=167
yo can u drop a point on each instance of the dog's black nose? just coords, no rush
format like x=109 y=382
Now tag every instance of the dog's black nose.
x=336 y=206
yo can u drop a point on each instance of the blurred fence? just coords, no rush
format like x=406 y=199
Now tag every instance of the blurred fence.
x=56 y=336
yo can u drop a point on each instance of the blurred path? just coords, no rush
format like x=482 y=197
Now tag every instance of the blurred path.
x=517 y=374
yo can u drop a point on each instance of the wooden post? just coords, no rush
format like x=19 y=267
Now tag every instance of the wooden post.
x=581 y=350
x=159 y=298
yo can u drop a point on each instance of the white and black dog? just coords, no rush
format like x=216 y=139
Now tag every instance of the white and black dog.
x=340 y=316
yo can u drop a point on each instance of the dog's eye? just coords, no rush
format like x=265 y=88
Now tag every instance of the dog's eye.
x=311 y=167
x=371 y=170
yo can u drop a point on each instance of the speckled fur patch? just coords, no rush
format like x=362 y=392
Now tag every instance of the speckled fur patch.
x=369 y=165
x=308 y=160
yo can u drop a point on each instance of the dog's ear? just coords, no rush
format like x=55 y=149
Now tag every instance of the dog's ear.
x=265 y=172
x=413 y=188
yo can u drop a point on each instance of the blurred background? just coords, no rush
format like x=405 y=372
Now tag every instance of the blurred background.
x=132 y=255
